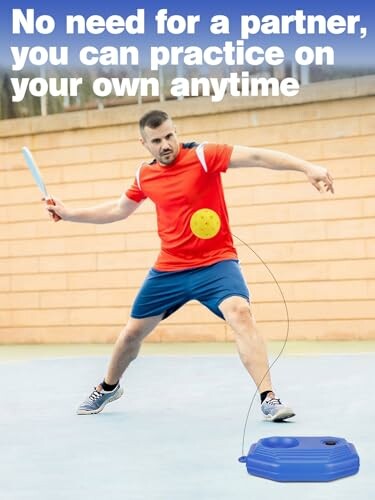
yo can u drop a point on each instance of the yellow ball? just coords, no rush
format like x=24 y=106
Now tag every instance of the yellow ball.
x=205 y=223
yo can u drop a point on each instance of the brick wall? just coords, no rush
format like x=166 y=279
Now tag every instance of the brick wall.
x=75 y=283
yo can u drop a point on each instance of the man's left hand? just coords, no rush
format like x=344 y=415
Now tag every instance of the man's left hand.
x=319 y=175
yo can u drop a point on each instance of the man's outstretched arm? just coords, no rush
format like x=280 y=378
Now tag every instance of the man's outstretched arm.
x=243 y=156
x=105 y=213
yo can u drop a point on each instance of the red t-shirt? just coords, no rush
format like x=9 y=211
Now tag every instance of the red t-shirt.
x=191 y=212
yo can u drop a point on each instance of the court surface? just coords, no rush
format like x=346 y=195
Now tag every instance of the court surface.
x=177 y=432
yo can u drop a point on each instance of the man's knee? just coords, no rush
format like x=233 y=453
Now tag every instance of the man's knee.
x=137 y=329
x=236 y=310
x=132 y=335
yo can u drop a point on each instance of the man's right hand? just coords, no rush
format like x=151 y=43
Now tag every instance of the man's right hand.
x=56 y=209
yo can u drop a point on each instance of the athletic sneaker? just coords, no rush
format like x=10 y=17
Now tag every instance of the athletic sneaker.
x=275 y=411
x=98 y=399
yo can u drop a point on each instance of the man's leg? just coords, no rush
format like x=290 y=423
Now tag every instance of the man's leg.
x=252 y=350
x=125 y=351
x=127 y=346
x=250 y=344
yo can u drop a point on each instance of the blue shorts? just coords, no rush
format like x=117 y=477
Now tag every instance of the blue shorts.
x=163 y=292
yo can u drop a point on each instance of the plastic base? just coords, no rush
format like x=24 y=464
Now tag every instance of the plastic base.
x=306 y=458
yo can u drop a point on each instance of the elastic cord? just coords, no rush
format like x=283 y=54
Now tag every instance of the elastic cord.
x=283 y=347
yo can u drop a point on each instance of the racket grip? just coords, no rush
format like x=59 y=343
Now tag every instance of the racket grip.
x=55 y=217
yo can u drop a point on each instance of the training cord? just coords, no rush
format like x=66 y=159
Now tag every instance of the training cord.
x=282 y=349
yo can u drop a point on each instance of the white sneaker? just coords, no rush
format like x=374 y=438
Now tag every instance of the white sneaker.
x=275 y=411
x=98 y=399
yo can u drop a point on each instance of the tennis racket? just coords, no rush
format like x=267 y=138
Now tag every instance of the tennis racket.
x=38 y=178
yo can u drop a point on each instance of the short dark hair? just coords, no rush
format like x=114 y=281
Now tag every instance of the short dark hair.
x=153 y=119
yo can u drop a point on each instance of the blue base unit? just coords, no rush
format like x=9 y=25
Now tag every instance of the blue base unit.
x=306 y=458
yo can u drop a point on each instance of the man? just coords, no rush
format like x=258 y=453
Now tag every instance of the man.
x=197 y=258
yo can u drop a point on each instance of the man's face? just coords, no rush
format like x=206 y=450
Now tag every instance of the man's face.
x=161 y=142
